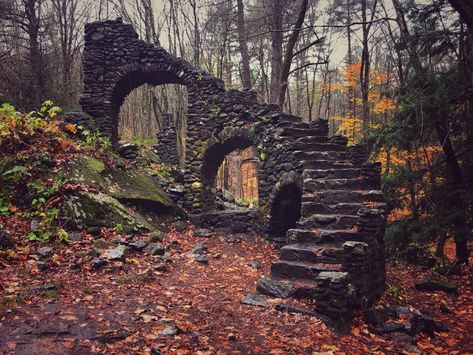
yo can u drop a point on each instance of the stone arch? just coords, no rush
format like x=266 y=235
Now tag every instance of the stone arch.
x=116 y=62
x=133 y=78
x=220 y=145
x=284 y=206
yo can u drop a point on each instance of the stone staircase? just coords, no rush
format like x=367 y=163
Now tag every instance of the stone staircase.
x=315 y=262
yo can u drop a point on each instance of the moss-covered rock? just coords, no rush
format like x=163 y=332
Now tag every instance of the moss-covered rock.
x=136 y=187
x=91 y=211
x=119 y=187
x=84 y=169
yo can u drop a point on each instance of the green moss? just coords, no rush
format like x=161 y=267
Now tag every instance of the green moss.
x=84 y=169
x=93 y=211
x=134 y=185
x=117 y=187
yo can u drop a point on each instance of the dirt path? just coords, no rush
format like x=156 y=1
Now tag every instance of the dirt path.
x=124 y=307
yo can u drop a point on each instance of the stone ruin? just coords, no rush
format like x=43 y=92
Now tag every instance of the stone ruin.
x=318 y=197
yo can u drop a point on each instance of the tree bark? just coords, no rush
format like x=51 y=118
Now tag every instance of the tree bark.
x=245 y=58
x=365 y=65
x=291 y=43
x=276 y=50
x=36 y=63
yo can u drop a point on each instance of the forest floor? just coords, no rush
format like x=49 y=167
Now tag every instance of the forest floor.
x=123 y=307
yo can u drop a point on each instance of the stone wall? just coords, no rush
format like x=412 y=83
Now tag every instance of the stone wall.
x=334 y=188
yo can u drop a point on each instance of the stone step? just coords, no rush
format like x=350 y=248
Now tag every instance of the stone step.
x=313 y=253
x=292 y=124
x=300 y=270
x=347 y=173
x=338 y=196
x=315 y=146
x=310 y=208
x=313 y=139
x=325 y=164
x=311 y=185
x=303 y=132
x=319 y=236
x=328 y=221
x=299 y=288
x=306 y=155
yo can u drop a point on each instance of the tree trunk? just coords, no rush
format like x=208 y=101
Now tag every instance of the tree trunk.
x=365 y=65
x=291 y=43
x=245 y=58
x=455 y=201
x=276 y=50
x=36 y=65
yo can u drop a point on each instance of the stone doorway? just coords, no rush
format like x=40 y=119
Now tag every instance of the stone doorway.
x=237 y=177
x=285 y=211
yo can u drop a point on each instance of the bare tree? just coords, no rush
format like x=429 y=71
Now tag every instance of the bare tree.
x=245 y=58
x=365 y=62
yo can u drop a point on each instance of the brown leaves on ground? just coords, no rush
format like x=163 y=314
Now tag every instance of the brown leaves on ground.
x=124 y=307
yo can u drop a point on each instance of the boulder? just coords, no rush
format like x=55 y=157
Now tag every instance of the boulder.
x=93 y=211
x=274 y=288
x=431 y=284
x=117 y=253
x=253 y=299
x=138 y=245
x=117 y=188
x=84 y=169
x=137 y=188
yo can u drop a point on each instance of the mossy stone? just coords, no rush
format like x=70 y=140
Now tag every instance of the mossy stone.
x=196 y=185
x=95 y=210
x=84 y=169
x=135 y=186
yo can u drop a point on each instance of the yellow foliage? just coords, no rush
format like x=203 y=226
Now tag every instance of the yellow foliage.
x=351 y=127
x=421 y=159
x=384 y=104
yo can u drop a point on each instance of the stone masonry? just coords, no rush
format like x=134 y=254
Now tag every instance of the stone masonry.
x=319 y=198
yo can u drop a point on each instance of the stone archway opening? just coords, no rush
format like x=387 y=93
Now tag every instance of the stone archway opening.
x=285 y=211
x=229 y=175
x=237 y=178
x=151 y=107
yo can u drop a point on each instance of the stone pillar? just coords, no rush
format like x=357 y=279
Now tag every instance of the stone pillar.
x=332 y=294
x=359 y=153
x=166 y=147
x=321 y=125
x=355 y=261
